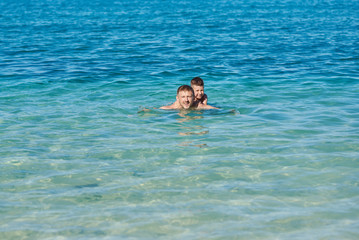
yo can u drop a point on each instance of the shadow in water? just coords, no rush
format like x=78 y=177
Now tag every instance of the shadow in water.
x=190 y=126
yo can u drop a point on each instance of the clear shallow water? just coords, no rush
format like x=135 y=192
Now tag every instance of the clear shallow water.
x=79 y=158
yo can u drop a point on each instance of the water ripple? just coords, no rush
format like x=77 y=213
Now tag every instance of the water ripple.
x=86 y=153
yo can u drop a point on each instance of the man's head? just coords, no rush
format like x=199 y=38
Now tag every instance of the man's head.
x=198 y=87
x=185 y=96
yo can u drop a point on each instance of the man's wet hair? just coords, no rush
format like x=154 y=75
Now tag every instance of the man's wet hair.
x=197 y=81
x=185 y=88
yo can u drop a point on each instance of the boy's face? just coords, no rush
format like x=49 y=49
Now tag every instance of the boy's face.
x=185 y=99
x=198 y=92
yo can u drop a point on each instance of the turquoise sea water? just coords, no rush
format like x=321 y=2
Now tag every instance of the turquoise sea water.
x=80 y=159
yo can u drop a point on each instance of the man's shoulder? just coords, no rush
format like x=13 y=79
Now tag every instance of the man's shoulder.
x=205 y=106
x=172 y=106
x=167 y=107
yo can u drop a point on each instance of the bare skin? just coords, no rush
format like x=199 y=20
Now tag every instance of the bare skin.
x=205 y=106
x=199 y=94
x=186 y=100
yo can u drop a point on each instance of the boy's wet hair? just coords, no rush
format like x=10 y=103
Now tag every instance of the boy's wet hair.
x=185 y=88
x=197 y=81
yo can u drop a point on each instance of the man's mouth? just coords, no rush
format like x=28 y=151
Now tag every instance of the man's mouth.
x=186 y=103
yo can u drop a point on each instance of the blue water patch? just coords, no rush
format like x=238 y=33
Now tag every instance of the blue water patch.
x=86 y=153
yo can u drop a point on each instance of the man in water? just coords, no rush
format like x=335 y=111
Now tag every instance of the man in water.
x=185 y=100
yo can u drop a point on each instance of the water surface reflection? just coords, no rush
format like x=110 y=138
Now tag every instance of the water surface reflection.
x=191 y=126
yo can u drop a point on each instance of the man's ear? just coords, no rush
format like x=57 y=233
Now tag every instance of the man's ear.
x=177 y=97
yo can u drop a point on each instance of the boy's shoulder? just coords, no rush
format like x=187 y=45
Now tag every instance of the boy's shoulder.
x=204 y=99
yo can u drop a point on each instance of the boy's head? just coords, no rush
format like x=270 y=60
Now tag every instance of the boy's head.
x=185 y=96
x=198 y=87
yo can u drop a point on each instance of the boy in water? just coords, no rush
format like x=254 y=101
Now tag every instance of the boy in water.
x=198 y=88
x=185 y=99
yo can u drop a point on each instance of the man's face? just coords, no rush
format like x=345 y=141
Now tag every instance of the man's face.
x=185 y=99
x=198 y=92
